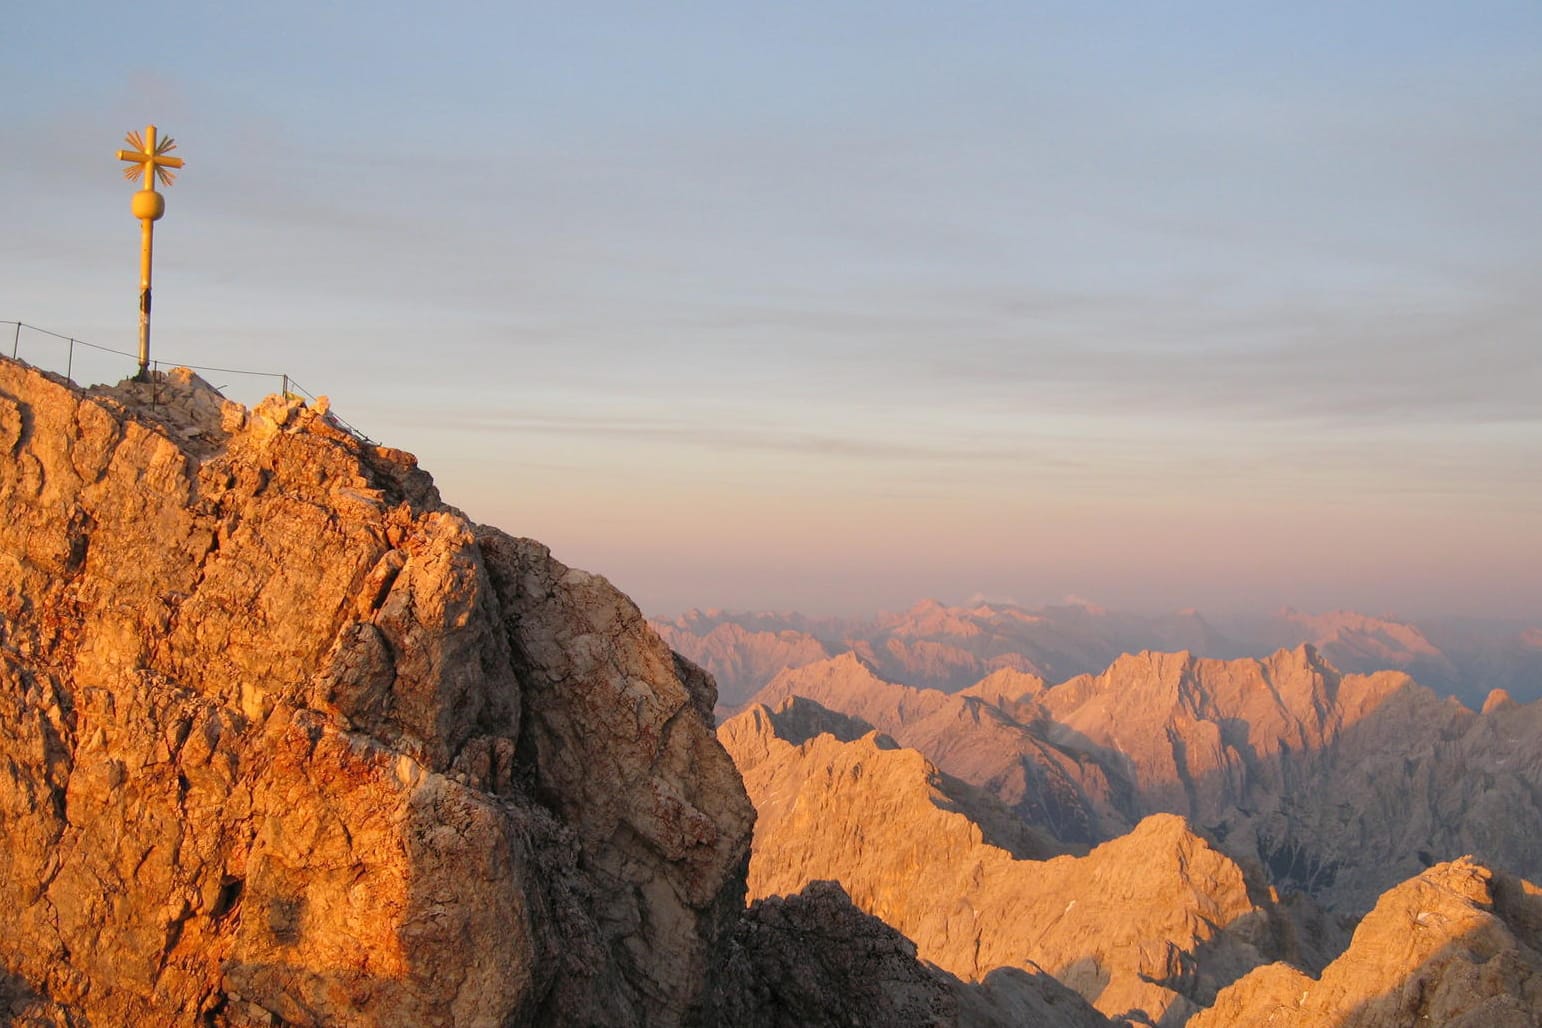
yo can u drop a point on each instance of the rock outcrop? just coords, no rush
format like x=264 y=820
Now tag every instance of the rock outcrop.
x=1459 y=946
x=287 y=739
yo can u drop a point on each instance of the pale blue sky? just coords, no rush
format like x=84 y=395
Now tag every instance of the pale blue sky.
x=834 y=306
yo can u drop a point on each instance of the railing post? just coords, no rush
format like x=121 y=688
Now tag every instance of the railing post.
x=16 y=342
x=286 y=385
x=69 y=363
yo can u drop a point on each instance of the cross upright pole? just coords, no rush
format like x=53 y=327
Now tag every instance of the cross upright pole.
x=148 y=158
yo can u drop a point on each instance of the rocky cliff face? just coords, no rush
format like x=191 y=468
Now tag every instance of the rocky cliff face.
x=1146 y=927
x=287 y=739
x=1156 y=927
x=975 y=735
x=1458 y=946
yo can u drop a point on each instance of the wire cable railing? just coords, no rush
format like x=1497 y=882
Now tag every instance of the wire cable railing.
x=286 y=383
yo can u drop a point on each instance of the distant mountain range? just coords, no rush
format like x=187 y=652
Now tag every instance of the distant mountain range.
x=1337 y=785
x=1178 y=821
x=1019 y=824
x=935 y=858
x=951 y=648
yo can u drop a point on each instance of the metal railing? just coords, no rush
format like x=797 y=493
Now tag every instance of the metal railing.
x=287 y=385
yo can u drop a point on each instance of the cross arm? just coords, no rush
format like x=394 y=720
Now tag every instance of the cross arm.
x=140 y=157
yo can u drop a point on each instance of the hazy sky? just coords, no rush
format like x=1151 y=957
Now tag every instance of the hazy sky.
x=834 y=306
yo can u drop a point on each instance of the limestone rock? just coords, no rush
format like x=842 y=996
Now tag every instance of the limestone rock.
x=1458 y=946
x=1340 y=785
x=1148 y=926
x=287 y=739
x=1337 y=785
x=977 y=736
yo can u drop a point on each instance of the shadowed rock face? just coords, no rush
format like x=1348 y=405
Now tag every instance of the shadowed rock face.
x=813 y=960
x=286 y=738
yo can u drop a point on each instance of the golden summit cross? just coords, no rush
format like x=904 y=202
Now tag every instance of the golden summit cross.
x=149 y=159
x=150 y=154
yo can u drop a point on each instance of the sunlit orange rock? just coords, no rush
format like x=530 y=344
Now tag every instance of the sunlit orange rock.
x=1155 y=921
x=1458 y=946
x=288 y=739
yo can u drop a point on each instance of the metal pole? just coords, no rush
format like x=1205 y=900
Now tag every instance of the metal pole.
x=146 y=243
x=69 y=362
x=286 y=386
x=16 y=342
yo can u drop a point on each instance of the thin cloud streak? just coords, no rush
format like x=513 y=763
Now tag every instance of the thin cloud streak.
x=712 y=434
x=1382 y=464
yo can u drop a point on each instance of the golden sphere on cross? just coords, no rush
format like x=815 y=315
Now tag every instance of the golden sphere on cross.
x=148 y=203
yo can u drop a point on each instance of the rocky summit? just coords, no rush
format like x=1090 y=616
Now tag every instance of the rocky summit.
x=285 y=739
